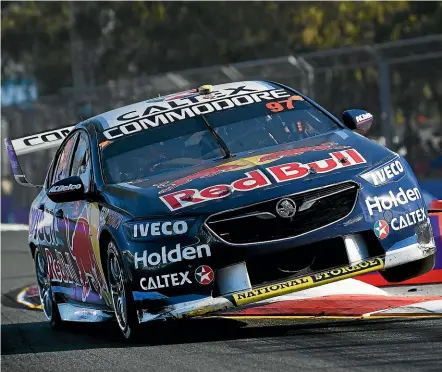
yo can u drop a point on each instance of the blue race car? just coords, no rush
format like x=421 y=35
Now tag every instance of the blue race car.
x=213 y=198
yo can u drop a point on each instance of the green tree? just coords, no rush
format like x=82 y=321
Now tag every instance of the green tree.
x=122 y=39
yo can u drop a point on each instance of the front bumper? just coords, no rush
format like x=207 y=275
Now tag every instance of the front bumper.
x=403 y=252
x=409 y=250
x=260 y=293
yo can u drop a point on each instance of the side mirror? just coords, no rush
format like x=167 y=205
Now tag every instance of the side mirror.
x=67 y=190
x=357 y=120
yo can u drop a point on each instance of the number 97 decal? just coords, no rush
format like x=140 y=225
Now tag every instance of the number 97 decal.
x=279 y=106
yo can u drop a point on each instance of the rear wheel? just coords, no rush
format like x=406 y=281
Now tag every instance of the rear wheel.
x=122 y=298
x=50 y=307
x=409 y=270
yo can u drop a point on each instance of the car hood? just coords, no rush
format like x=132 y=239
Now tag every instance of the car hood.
x=156 y=196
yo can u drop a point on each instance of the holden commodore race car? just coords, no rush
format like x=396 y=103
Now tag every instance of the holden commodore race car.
x=214 y=198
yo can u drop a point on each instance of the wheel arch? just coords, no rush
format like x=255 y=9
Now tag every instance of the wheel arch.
x=33 y=247
x=104 y=239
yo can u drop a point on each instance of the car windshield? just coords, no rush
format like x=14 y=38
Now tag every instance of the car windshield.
x=193 y=141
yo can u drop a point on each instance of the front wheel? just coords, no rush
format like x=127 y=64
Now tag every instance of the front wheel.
x=122 y=298
x=50 y=307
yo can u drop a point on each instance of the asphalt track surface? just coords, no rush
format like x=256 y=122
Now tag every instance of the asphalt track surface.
x=213 y=344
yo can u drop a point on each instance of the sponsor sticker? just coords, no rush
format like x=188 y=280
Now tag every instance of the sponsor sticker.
x=204 y=275
x=390 y=200
x=78 y=264
x=180 y=199
x=360 y=119
x=62 y=188
x=245 y=163
x=408 y=219
x=256 y=179
x=46 y=137
x=297 y=284
x=60 y=268
x=174 y=255
x=166 y=228
x=381 y=229
x=295 y=170
x=165 y=281
x=167 y=112
x=392 y=171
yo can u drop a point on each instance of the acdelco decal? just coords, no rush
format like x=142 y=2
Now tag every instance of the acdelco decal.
x=170 y=111
x=61 y=188
x=256 y=179
x=309 y=281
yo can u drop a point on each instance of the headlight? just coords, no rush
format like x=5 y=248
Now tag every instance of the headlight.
x=393 y=170
x=158 y=229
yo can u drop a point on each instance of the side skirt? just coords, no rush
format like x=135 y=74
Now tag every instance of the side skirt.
x=75 y=313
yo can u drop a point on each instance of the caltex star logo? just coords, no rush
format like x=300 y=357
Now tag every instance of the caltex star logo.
x=381 y=229
x=204 y=275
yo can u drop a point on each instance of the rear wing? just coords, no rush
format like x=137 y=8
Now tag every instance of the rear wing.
x=33 y=143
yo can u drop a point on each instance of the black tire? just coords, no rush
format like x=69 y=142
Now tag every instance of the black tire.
x=50 y=307
x=122 y=298
x=409 y=270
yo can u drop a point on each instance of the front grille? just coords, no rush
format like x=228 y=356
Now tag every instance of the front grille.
x=260 y=223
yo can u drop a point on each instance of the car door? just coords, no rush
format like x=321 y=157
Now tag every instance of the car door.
x=80 y=218
x=51 y=229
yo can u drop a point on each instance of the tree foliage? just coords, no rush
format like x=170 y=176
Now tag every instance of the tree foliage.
x=124 y=39
x=61 y=44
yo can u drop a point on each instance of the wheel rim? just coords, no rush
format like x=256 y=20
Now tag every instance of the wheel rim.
x=44 y=286
x=118 y=292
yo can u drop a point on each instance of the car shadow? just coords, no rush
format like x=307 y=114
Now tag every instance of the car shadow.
x=38 y=337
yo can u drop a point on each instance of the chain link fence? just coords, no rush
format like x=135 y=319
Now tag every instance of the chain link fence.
x=399 y=82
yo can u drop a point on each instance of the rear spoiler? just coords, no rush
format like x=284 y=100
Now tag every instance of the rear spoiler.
x=33 y=143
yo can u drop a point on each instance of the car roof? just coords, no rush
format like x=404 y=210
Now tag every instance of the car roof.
x=113 y=118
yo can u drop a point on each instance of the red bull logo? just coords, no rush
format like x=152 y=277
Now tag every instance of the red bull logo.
x=60 y=268
x=245 y=164
x=80 y=246
x=85 y=272
x=256 y=179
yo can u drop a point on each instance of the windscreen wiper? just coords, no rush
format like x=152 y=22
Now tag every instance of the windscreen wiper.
x=227 y=153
